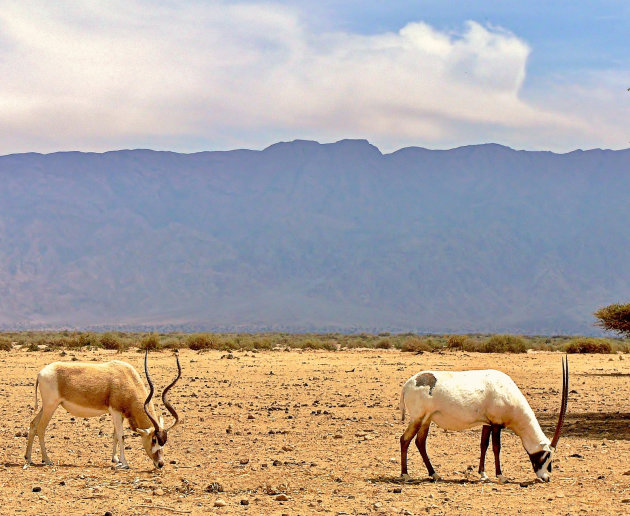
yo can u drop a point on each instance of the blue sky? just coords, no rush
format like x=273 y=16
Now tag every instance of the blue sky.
x=208 y=75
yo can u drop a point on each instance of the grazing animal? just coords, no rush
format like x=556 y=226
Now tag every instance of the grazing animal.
x=458 y=400
x=88 y=390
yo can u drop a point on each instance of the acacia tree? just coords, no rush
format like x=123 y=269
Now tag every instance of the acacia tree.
x=614 y=318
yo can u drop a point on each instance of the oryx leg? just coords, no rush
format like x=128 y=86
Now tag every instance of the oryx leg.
x=117 y=419
x=496 y=449
x=421 y=443
x=31 y=436
x=485 y=441
x=405 y=439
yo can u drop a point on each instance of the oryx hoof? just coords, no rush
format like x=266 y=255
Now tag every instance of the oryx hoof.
x=48 y=462
x=405 y=477
x=27 y=464
x=483 y=477
x=120 y=465
x=503 y=479
x=435 y=477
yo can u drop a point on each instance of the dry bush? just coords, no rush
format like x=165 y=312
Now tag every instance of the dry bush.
x=416 y=345
x=504 y=344
x=150 y=342
x=383 y=344
x=5 y=344
x=457 y=342
x=112 y=341
x=200 y=341
x=588 y=345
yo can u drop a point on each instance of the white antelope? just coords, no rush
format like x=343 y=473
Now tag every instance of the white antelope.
x=88 y=390
x=458 y=400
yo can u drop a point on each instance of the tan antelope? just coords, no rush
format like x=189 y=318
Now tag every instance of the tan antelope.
x=89 y=390
x=458 y=400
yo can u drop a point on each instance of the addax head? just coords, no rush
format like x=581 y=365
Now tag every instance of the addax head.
x=541 y=461
x=154 y=439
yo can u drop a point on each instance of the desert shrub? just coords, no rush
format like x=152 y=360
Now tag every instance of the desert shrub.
x=457 y=341
x=200 y=341
x=588 y=345
x=504 y=344
x=150 y=342
x=416 y=345
x=383 y=344
x=32 y=346
x=173 y=343
x=5 y=345
x=110 y=341
x=262 y=343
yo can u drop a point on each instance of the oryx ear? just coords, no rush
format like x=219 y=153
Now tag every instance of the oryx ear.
x=161 y=422
x=548 y=448
x=144 y=431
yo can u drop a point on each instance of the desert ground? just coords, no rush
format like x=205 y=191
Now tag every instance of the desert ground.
x=305 y=432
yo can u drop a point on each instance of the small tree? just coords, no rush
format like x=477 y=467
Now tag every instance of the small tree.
x=614 y=318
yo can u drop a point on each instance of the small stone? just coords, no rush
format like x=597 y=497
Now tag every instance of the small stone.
x=244 y=461
x=277 y=463
x=108 y=514
x=250 y=416
x=397 y=490
x=244 y=501
x=287 y=447
x=214 y=487
x=37 y=489
x=577 y=456
x=173 y=461
x=625 y=500
x=282 y=498
x=627 y=472
x=524 y=484
x=337 y=436
x=220 y=502
x=158 y=492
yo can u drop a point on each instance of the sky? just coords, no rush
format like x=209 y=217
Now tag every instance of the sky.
x=196 y=75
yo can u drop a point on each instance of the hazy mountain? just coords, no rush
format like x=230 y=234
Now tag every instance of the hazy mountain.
x=303 y=236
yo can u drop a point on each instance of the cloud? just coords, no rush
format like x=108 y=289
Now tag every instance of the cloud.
x=205 y=75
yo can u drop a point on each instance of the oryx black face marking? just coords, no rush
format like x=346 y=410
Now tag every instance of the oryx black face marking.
x=538 y=459
x=426 y=379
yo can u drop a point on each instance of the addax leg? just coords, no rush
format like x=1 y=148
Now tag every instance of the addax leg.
x=421 y=443
x=485 y=441
x=496 y=448
x=405 y=439
x=44 y=418
x=117 y=418
x=31 y=437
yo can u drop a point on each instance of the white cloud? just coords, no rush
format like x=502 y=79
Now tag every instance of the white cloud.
x=196 y=75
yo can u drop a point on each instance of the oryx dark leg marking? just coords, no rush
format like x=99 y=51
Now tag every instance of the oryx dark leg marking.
x=485 y=441
x=496 y=447
x=405 y=439
x=426 y=379
x=421 y=443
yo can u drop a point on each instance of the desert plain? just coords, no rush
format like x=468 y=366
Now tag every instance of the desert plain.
x=310 y=432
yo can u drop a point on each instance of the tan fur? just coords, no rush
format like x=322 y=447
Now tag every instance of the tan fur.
x=113 y=384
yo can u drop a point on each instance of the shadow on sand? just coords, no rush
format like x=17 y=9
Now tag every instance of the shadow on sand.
x=590 y=425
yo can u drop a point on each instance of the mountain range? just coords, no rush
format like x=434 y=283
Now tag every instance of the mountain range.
x=304 y=236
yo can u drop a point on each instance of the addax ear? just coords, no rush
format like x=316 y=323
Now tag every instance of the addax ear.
x=144 y=431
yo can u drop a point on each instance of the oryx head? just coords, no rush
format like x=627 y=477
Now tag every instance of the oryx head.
x=154 y=439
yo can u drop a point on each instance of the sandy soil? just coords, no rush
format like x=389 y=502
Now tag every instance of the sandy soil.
x=321 y=428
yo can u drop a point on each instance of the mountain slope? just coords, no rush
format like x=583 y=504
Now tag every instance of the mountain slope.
x=304 y=236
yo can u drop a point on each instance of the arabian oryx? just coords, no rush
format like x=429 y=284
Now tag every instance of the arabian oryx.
x=88 y=390
x=457 y=400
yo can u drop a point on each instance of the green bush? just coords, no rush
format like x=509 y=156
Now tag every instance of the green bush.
x=588 y=345
x=5 y=345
